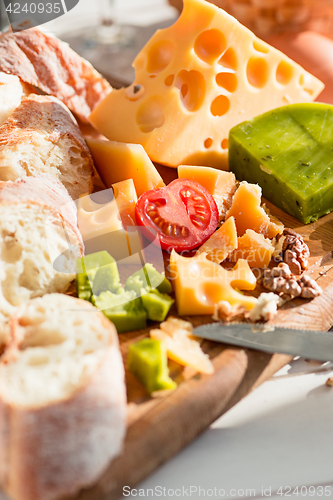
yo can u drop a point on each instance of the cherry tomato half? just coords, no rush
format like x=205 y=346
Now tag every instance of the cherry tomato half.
x=184 y=214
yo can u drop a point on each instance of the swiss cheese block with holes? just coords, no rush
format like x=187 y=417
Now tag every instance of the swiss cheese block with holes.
x=196 y=80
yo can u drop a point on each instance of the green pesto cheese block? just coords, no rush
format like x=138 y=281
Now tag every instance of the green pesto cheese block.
x=148 y=278
x=156 y=304
x=96 y=272
x=289 y=152
x=124 y=309
x=147 y=360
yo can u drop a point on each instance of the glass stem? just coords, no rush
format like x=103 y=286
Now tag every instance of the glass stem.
x=107 y=12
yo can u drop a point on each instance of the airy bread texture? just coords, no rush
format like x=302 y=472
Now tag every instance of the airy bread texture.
x=41 y=136
x=62 y=399
x=12 y=92
x=49 y=64
x=39 y=240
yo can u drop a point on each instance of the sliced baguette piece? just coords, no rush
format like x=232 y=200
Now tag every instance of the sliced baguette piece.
x=41 y=136
x=39 y=240
x=12 y=91
x=51 y=65
x=62 y=399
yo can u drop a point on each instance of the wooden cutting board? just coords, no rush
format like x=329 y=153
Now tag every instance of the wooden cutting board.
x=160 y=427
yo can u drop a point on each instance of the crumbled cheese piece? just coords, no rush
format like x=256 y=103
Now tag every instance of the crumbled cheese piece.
x=224 y=311
x=265 y=308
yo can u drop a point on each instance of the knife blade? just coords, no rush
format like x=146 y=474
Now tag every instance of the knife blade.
x=306 y=343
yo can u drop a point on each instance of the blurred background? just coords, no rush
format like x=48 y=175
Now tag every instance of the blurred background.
x=110 y=33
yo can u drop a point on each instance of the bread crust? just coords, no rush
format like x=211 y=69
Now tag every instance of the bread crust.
x=54 y=451
x=49 y=64
x=28 y=138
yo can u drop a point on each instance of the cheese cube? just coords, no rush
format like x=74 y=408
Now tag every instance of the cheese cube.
x=194 y=81
x=221 y=185
x=117 y=162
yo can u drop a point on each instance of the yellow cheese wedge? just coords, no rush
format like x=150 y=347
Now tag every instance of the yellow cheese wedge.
x=221 y=185
x=221 y=243
x=250 y=215
x=199 y=284
x=116 y=161
x=193 y=82
x=126 y=198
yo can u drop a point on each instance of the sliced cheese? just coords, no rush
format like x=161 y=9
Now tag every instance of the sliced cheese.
x=181 y=346
x=106 y=220
x=193 y=82
x=96 y=218
x=199 y=284
x=221 y=185
x=116 y=161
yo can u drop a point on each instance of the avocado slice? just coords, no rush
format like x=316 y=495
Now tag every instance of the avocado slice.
x=124 y=309
x=156 y=304
x=96 y=272
x=148 y=278
x=147 y=360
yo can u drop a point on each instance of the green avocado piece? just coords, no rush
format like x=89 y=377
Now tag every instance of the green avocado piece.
x=289 y=152
x=156 y=304
x=147 y=360
x=96 y=272
x=148 y=278
x=124 y=309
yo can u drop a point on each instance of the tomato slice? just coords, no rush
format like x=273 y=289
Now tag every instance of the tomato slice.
x=184 y=214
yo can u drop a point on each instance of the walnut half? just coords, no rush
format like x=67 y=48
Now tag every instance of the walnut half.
x=295 y=251
x=281 y=281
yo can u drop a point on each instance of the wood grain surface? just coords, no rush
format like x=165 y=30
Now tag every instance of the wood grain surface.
x=160 y=427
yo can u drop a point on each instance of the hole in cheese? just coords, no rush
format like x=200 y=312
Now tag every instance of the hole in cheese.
x=257 y=72
x=308 y=91
x=169 y=80
x=284 y=73
x=159 y=56
x=134 y=92
x=151 y=114
x=192 y=88
x=184 y=90
x=208 y=142
x=220 y=105
x=229 y=59
x=227 y=81
x=224 y=144
x=260 y=47
x=209 y=45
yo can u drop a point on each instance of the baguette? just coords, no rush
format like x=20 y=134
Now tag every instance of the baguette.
x=39 y=240
x=50 y=65
x=12 y=91
x=41 y=136
x=62 y=399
